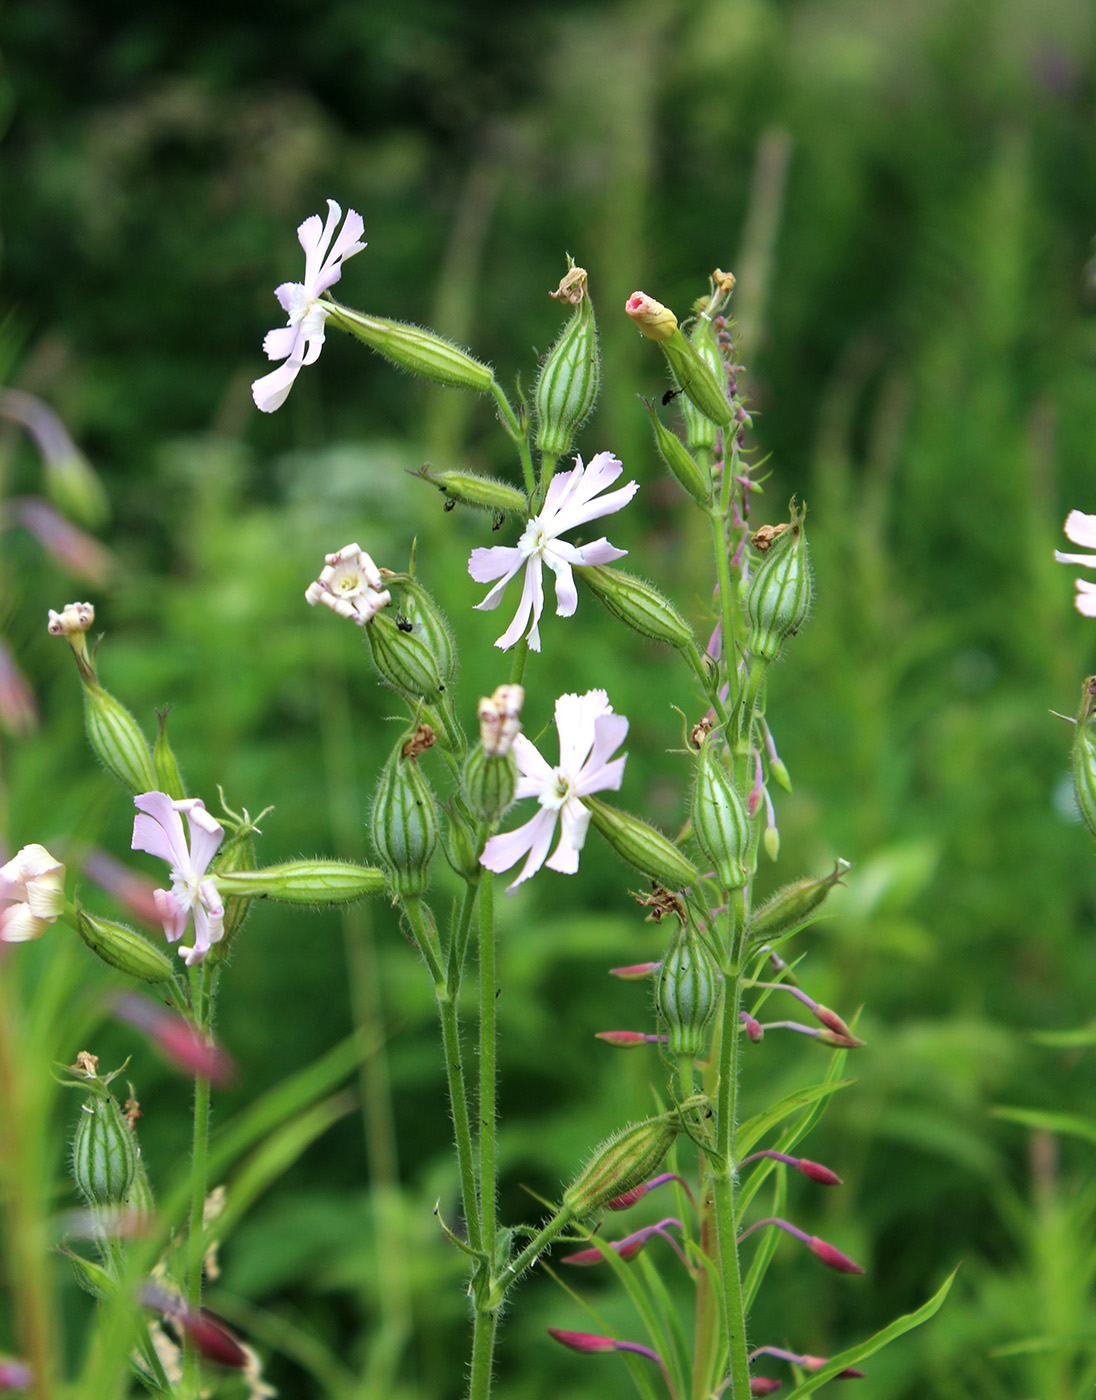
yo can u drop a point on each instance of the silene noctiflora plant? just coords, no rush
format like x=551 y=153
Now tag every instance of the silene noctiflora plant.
x=484 y=798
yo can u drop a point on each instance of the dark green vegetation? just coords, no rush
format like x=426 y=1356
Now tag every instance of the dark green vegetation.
x=916 y=301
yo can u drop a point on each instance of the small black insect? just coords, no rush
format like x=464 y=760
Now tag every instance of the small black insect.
x=670 y=394
x=405 y=624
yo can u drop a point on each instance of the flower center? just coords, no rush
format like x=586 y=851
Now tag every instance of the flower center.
x=558 y=792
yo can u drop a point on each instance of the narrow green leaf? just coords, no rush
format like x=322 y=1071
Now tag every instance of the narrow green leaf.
x=766 y=1246
x=755 y=1128
x=862 y=1350
x=1069 y=1124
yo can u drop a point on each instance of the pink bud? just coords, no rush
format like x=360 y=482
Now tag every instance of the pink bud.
x=176 y=1038
x=817 y=1172
x=14 y=1375
x=133 y=890
x=754 y=1029
x=764 y=1385
x=833 y=1257
x=815 y=1363
x=582 y=1341
x=629 y=1198
x=211 y=1337
x=628 y=1039
x=831 y=1020
x=635 y=971
x=18 y=708
x=841 y=1042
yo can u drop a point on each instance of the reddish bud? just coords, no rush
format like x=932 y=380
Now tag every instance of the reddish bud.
x=629 y=1198
x=815 y=1363
x=582 y=1341
x=817 y=1172
x=628 y=1039
x=841 y=1042
x=212 y=1338
x=753 y=1026
x=14 y=1375
x=177 y=1039
x=636 y=971
x=831 y=1020
x=833 y=1257
x=764 y=1385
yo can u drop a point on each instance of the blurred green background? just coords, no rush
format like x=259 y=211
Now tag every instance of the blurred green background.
x=907 y=194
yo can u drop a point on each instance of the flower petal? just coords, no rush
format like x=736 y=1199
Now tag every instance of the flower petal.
x=574 y=823
x=272 y=390
x=159 y=830
x=1081 y=528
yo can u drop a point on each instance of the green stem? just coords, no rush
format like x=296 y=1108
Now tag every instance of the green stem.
x=485 y=1326
x=203 y=1010
x=488 y=1127
x=708 y=678
x=521 y=655
x=529 y=1255
x=427 y=939
x=521 y=440
x=726 y=591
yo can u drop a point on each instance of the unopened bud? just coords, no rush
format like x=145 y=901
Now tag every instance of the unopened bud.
x=637 y=604
x=635 y=972
x=679 y=460
x=779 y=596
x=104 y=1151
x=628 y=1040
x=693 y=376
x=571 y=374
x=794 y=906
x=404 y=824
x=626 y=1160
x=1084 y=757
x=414 y=349
x=121 y=948
x=490 y=783
x=764 y=1385
x=699 y=429
x=317 y=881
x=117 y=740
x=428 y=624
x=720 y=824
x=642 y=845
x=652 y=319
x=688 y=992
x=471 y=489
x=405 y=661
x=833 y=1257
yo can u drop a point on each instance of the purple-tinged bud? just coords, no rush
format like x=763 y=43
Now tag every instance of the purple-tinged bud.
x=628 y=1247
x=720 y=824
x=14 y=1375
x=211 y=1337
x=764 y=1385
x=814 y=1170
x=809 y=1363
x=74 y=549
x=754 y=1030
x=831 y=1020
x=625 y=1160
x=839 y=1041
x=637 y=1193
x=589 y=1342
x=652 y=319
x=176 y=1039
x=626 y=1040
x=794 y=906
x=779 y=596
x=688 y=992
x=570 y=377
x=833 y=1257
x=635 y=972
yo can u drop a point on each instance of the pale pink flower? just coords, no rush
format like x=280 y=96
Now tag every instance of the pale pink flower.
x=159 y=831
x=569 y=503
x=350 y=584
x=32 y=894
x=300 y=341
x=1081 y=529
x=589 y=732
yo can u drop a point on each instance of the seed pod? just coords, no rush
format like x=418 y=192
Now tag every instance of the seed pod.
x=117 y=739
x=430 y=625
x=1083 y=758
x=688 y=992
x=123 y=949
x=625 y=1161
x=642 y=845
x=405 y=661
x=318 y=881
x=571 y=374
x=700 y=431
x=779 y=597
x=414 y=349
x=104 y=1152
x=471 y=489
x=794 y=906
x=490 y=782
x=404 y=824
x=720 y=823
x=637 y=604
x=678 y=458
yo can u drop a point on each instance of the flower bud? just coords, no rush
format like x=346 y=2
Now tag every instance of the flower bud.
x=490 y=783
x=471 y=489
x=679 y=460
x=429 y=624
x=499 y=724
x=119 y=947
x=117 y=739
x=720 y=824
x=779 y=596
x=32 y=894
x=693 y=376
x=571 y=373
x=794 y=906
x=405 y=661
x=625 y=1161
x=168 y=777
x=104 y=1151
x=404 y=824
x=700 y=431
x=652 y=319
x=318 y=881
x=642 y=845
x=688 y=992
x=637 y=604
x=1083 y=758
x=414 y=349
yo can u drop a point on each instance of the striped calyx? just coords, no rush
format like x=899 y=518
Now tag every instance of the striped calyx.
x=404 y=660
x=123 y=949
x=700 y=431
x=688 y=992
x=430 y=625
x=720 y=823
x=490 y=783
x=638 y=605
x=622 y=1163
x=404 y=824
x=104 y=1151
x=794 y=906
x=571 y=374
x=117 y=739
x=779 y=596
x=1084 y=757
x=642 y=845
x=679 y=460
x=414 y=349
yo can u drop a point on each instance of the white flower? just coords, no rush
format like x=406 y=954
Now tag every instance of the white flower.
x=1081 y=529
x=351 y=585
x=589 y=732
x=299 y=342
x=570 y=502
x=32 y=894
x=159 y=831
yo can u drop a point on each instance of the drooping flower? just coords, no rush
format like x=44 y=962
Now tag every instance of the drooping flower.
x=1081 y=529
x=589 y=732
x=570 y=502
x=350 y=584
x=32 y=894
x=158 y=829
x=300 y=340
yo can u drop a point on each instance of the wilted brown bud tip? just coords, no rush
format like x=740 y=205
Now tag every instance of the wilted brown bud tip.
x=422 y=739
